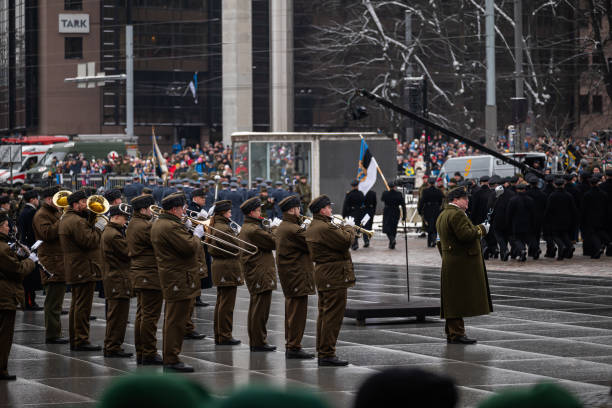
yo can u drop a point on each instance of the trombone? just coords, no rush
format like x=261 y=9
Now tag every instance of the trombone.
x=98 y=205
x=247 y=247
x=359 y=229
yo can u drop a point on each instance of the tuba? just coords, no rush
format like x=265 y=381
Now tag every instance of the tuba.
x=99 y=205
x=60 y=199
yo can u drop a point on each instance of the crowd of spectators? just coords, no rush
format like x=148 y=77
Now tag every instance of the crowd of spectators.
x=189 y=161
x=562 y=155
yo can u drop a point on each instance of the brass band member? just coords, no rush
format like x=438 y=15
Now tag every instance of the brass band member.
x=259 y=272
x=46 y=228
x=80 y=241
x=145 y=281
x=226 y=275
x=175 y=250
x=116 y=281
x=190 y=331
x=296 y=275
x=12 y=272
x=329 y=249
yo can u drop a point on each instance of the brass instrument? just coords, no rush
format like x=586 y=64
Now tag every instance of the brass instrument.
x=248 y=247
x=359 y=229
x=99 y=205
x=60 y=199
x=126 y=209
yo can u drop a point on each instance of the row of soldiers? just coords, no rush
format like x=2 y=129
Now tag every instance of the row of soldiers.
x=232 y=189
x=560 y=210
x=160 y=258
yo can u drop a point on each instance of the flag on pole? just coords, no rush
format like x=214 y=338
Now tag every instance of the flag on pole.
x=366 y=173
x=193 y=87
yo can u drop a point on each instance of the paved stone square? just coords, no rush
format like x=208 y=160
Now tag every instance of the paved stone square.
x=548 y=326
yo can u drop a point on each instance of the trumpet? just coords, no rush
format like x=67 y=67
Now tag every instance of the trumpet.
x=246 y=246
x=99 y=205
x=359 y=229
x=60 y=199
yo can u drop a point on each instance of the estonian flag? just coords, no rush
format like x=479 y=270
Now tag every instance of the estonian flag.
x=366 y=174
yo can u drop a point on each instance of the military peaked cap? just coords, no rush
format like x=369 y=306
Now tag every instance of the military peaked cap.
x=319 y=203
x=250 y=205
x=288 y=203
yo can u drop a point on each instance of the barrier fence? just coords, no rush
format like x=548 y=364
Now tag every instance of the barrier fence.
x=107 y=181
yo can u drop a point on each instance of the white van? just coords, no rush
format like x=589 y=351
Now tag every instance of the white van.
x=486 y=165
x=30 y=156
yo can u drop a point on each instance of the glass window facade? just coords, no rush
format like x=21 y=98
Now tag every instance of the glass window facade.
x=18 y=65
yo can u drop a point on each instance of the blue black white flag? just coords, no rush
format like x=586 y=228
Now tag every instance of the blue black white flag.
x=366 y=174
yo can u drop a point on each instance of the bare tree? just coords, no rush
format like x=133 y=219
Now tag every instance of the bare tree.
x=363 y=45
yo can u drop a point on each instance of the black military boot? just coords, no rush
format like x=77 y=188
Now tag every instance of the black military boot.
x=332 y=362
x=550 y=252
x=298 y=354
x=355 y=245
x=366 y=242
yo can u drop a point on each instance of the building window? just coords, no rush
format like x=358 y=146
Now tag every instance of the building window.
x=73 y=47
x=584 y=104
x=73 y=4
x=597 y=104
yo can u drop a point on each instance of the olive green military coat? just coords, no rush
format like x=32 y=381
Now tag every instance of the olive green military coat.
x=226 y=269
x=464 y=287
x=143 y=264
x=80 y=241
x=295 y=268
x=46 y=228
x=176 y=251
x=12 y=272
x=116 y=272
x=259 y=270
x=329 y=246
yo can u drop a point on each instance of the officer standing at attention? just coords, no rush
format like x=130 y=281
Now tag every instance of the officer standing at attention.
x=329 y=245
x=158 y=191
x=12 y=272
x=520 y=214
x=370 y=209
x=116 y=280
x=179 y=272
x=46 y=228
x=296 y=275
x=394 y=201
x=237 y=199
x=429 y=208
x=561 y=216
x=145 y=281
x=463 y=270
x=259 y=272
x=132 y=190
x=353 y=207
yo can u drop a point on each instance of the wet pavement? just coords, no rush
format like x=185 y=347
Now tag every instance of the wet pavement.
x=546 y=327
